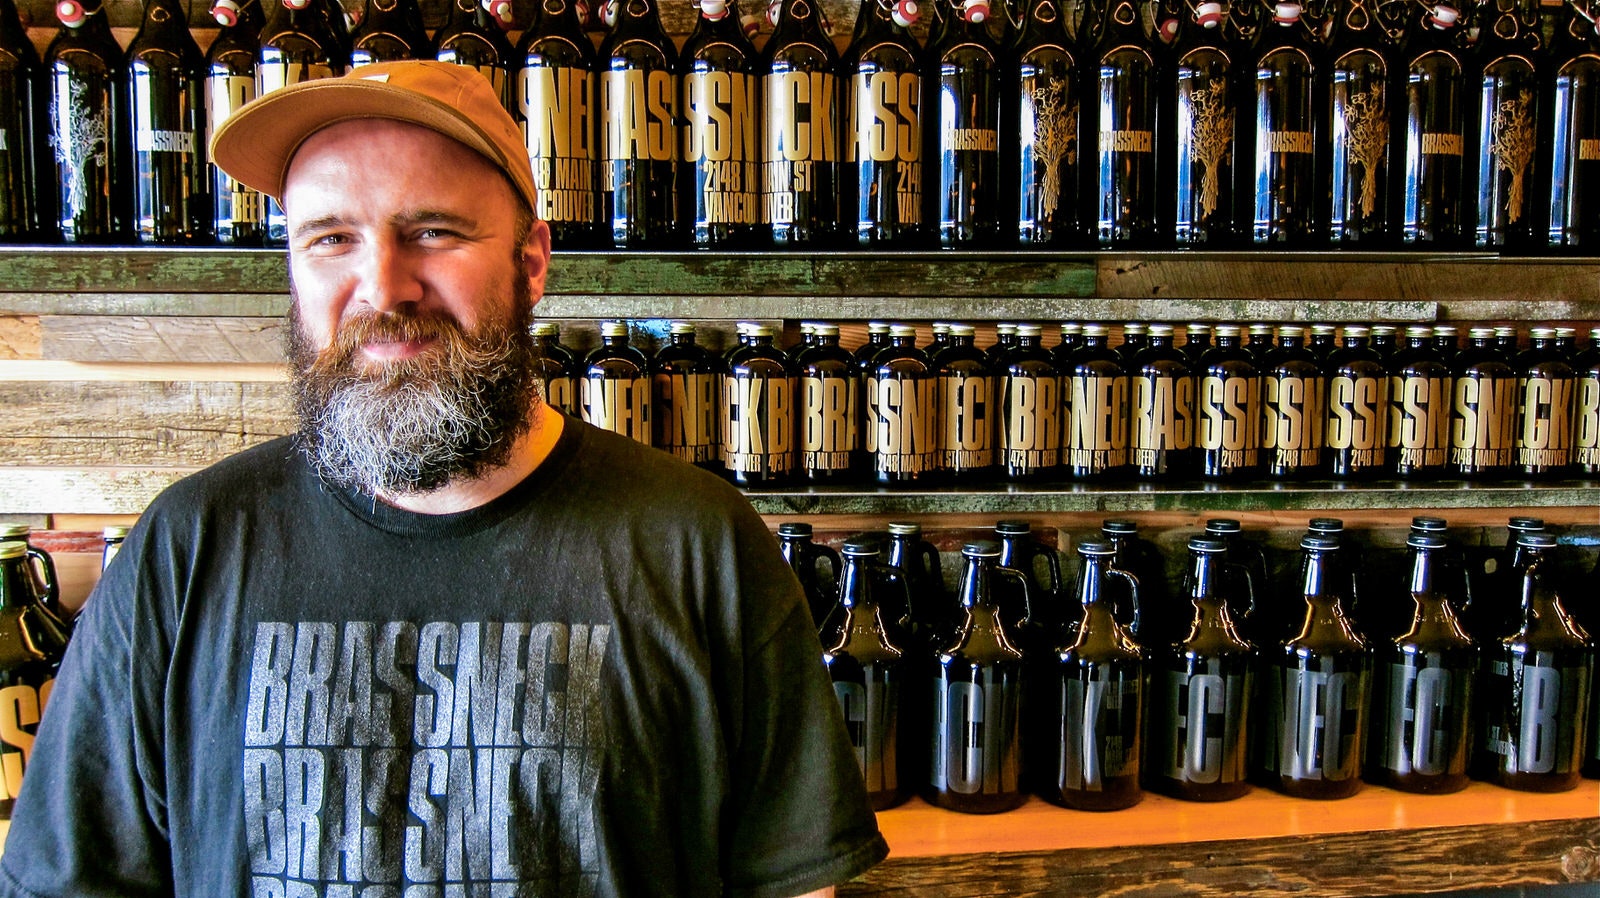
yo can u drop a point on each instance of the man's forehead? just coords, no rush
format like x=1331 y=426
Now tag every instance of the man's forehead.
x=356 y=140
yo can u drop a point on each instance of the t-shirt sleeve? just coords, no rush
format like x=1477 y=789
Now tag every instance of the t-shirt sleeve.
x=89 y=821
x=798 y=817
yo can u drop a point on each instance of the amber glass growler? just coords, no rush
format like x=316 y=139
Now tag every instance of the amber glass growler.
x=1483 y=409
x=32 y=641
x=828 y=429
x=1197 y=701
x=884 y=115
x=928 y=617
x=975 y=747
x=1289 y=126
x=639 y=134
x=1535 y=686
x=1365 y=102
x=1031 y=405
x=806 y=558
x=1029 y=614
x=472 y=37
x=1153 y=620
x=1546 y=386
x=41 y=570
x=166 y=100
x=1313 y=692
x=758 y=392
x=721 y=189
x=968 y=417
x=556 y=100
x=1228 y=404
x=558 y=368
x=1294 y=403
x=1433 y=192
x=1574 y=176
x=902 y=409
x=1509 y=53
x=1127 y=98
x=1208 y=118
x=1419 y=408
x=1096 y=386
x=1358 y=408
x=1422 y=688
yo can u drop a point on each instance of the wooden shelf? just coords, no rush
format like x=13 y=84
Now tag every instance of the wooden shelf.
x=1379 y=842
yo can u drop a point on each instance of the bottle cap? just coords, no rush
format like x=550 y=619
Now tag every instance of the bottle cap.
x=1012 y=528
x=763 y=330
x=1203 y=546
x=1480 y=333
x=962 y=330
x=1223 y=525
x=902 y=330
x=1442 y=16
x=1319 y=543
x=825 y=330
x=982 y=548
x=905 y=13
x=1525 y=524
x=940 y=327
x=1356 y=331
x=613 y=328
x=12 y=550
x=15 y=531
x=1503 y=330
x=1419 y=331
x=1029 y=330
x=794 y=528
x=1325 y=525
x=1425 y=541
x=751 y=24
x=1260 y=330
x=226 y=12
x=1444 y=330
x=545 y=329
x=1095 y=330
x=1226 y=330
x=297 y=4
x=975 y=11
x=71 y=13
x=1286 y=13
x=1594 y=333
x=115 y=531
x=1383 y=330
x=1119 y=527
x=1542 y=333
x=1135 y=327
x=1199 y=328
x=1072 y=328
x=1565 y=333
x=500 y=9
x=1322 y=330
x=1160 y=330
x=1526 y=540
x=1291 y=330
x=714 y=10
x=774 y=12
x=1005 y=327
x=1096 y=547
x=608 y=12
x=877 y=327
x=904 y=528
x=681 y=327
x=1209 y=14
x=861 y=546
x=1428 y=524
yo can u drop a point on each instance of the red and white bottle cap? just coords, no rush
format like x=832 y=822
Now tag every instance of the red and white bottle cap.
x=1286 y=13
x=751 y=24
x=714 y=10
x=1208 y=15
x=774 y=11
x=226 y=12
x=500 y=9
x=1167 y=30
x=297 y=4
x=608 y=12
x=975 y=11
x=71 y=13
x=905 y=13
x=1443 y=17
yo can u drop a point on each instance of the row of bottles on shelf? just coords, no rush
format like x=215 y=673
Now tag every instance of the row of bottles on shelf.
x=1126 y=123
x=1013 y=688
x=897 y=414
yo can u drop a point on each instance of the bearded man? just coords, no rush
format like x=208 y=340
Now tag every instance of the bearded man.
x=445 y=641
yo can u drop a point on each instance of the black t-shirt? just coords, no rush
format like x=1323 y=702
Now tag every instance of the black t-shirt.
x=604 y=682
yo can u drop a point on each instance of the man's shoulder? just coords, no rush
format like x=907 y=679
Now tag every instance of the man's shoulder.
x=633 y=476
x=247 y=477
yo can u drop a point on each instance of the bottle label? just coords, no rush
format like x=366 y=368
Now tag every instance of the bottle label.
x=686 y=415
x=618 y=404
x=1356 y=415
x=869 y=718
x=1163 y=417
x=1296 y=412
x=1230 y=420
x=828 y=415
x=968 y=423
x=557 y=127
x=1509 y=136
x=1320 y=732
x=1586 y=423
x=1483 y=421
x=1127 y=142
x=1425 y=715
x=558 y=393
x=1049 y=142
x=637 y=116
x=720 y=142
x=21 y=707
x=1206 y=142
x=801 y=129
x=1300 y=142
x=1097 y=433
x=1361 y=130
x=235 y=203
x=1100 y=729
x=1589 y=149
x=1544 y=431
x=1030 y=414
x=1536 y=730
x=1206 y=713
x=274 y=75
x=886 y=129
x=152 y=141
x=758 y=424
x=974 y=744
x=1443 y=144
x=904 y=414
x=1419 y=421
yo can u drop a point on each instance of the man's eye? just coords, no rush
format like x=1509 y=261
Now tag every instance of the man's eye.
x=331 y=240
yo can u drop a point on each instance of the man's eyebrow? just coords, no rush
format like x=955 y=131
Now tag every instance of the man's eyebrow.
x=320 y=223
x=430 y=216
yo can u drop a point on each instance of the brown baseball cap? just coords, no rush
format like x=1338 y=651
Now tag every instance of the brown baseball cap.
x=256 y=144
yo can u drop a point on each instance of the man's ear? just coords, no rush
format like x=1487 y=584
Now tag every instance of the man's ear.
x=536 y=258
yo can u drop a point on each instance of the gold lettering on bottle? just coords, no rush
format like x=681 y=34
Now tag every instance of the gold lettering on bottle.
x=1366 y=135
x=885 y=128
x=1443 y=144
x=967 y=403
x=1513 y=144
x=1586 y=423
x=618 y=404
x=637 y=116
x=1230 y=419
x=558 y=393
x=828 y=414
x=982 y=139
x=1589 y=149
x=905 y=416
x=686 y=415
x=1544 y=429
x=1030 y=422
x=1419 y=420
x=1300 y=142
x=1097 y=435
x=1127 y=142
x=21 y=707
x=1210 y=137
x=1483 y=422
x=800 y=133
x=224 y=95
x=1296 y=415
x=1162 y=417
x=558 y=129
x=1356 y=417
x=720 y=141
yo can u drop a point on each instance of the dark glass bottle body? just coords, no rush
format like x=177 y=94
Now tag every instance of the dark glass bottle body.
x=968 y=400
x=238 y=213
x=929 y=614
x=1096 y=693
x=806 y=558
x=1199 y=693
x=1127 y=91
x=167 y=102
x=1162 y=420
x=1206 y=136
x=1314 y=693
x=555 y=99
x=1031 y=403
x=975 y=762
x=1509 y=52
x=1483 y=411
x=89 y=128
x=1289 y=126
x=390 y=30
x=1358 y=410
x=1586 y=411
x=472 y=37
x=1228 y=407
x=885 y=115
x=758 y=401
x=1433 y=193
x=558 y=369
x=1546 y=384
x=298 y=43
x=829 y=412
x=1096 y=383
x=639 y=133
x=687 y=399
x=721 y=139
x=1422 y=689
x=964 y=65
x=1155 y=620
x=903 y=410
x=22 y=121
x=800 y=165
x=1048 y=93
x=1364 y=96
x=1419 y=410
x=1294 y=401
x=1574 y=178
x=32 y=642
x=614 y=391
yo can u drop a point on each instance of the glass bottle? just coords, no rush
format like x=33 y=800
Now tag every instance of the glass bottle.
x=967 y=398
x=1096 y=691
x=1157 y=622
x=1446 y=341
x=1294 y=398
x=1071 y=338
x=903 y=411
x=758 y=399
x=1196 y=341
x=1199 y=693
x=877 y=339
x=1575 y=167
x=1433 y=194
x=1314 y=692
x=22 y=124
x=1128 y=92
x=113 y=536
x=722 y=127
x=1049 y=93
x=1505 y=339
x=1483 y=409
x=1509 y=50
x=1259 y=341
x=1422 y=688
x=686 y=382
x=829 y=412
x=1228 y=406
x=32 y=642
x=171 y=193
x=1419 y=408
x=977 y=682
x=862 y=650
x=1324 y=340
x=89 y=126
x=1365 y=97
x=390 y=30
x=929 y=616
x=800 y=177
x=639 y=134
x=964 y=62
x=41 y=568
x=1492 y=615
x=472 y=37
x=1535 y=686
x=1207 y=152
x=1289 y=127
x=806 y=558
x=238 y=213
x=297 y=44
x=558 y=368
x=1005 y=338
x=1358 y=409
x=1163 y=417
x=555 y=97
x=1243 y=580
x=1096 y=383
x=1030 y=410
x=1030 y=614
x=1546 y=383
x=1383 y=341
x=1135 y=337
x=614 y=392
x=1586 y=408
x=884 y=107
x=1373 y=618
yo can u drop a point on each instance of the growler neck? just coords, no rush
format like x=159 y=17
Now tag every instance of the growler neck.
x=728 y=29
x=1422 y=565
x=640 y=19
x=1545 y=619
x=855 y=581
x=1508 y=26
x=1162 y=342
x=1434 y=624
x=1044 y=24
x=957 y=30
x=1203 y=576
x=1121 y=23
x=165 y=26
x=1090 y=580
x=16 y=582
x=1287 y=26
x=95 y=26
x=799 y=22
x=558 y=19
x=876 y=23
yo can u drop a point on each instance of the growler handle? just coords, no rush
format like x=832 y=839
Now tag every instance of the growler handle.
x=1249 y=589
x=52 y=588
x=820 y=552
x=1027 y=592
x=1052 y=561
x=1133 y=598
x=892 y=574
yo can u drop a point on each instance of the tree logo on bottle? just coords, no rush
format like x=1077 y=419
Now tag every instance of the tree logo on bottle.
x=83 y=144
x=1055 y=131
x=1513 y=146
x=1211 y=135
x=1366 y=122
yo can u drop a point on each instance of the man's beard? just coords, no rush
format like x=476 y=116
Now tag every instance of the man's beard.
x=414 y=425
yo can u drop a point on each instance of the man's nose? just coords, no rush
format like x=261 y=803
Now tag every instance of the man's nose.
x=390 y=278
